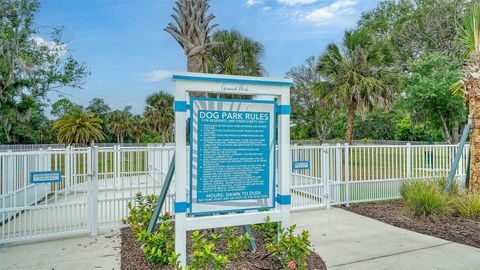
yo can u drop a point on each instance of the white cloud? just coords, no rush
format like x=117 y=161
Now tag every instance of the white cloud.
x=158 y=75
x=266 y=8
x=253 y=2
x=55 y=48
x=325 y=15
x=296 y=2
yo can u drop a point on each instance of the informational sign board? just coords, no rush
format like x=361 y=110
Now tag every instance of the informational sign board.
x=40 y=177
x=301 y=165
x=232 y=155
x=232 y=147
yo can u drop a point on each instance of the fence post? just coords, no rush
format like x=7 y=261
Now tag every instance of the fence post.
x=68 y=168
x=409 y=161
x=347 y=176
x=325 y=175
x=94 y=194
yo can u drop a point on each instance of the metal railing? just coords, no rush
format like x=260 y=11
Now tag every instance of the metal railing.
x=99 y=182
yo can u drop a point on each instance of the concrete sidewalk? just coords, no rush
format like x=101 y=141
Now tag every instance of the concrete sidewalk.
x=349 y=241
x=344 y=240
x=84 y=252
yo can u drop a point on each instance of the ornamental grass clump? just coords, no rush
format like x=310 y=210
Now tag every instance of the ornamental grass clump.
x=424 y=198
x=467 y=205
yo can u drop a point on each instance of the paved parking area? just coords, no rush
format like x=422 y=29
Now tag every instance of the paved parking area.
x=349 y=241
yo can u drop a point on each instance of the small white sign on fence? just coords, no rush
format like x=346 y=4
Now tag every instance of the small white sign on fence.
x=41 y=177
x=232 y=153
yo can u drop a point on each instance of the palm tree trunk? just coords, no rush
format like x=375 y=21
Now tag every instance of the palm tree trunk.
x=195 y=63
x=352 y=107
x=474 y=107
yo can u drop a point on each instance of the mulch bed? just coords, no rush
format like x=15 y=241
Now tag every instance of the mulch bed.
x=449 y=227
x=134 y=259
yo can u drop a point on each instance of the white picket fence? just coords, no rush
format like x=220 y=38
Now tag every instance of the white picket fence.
x=343 y=174
x=99 y=182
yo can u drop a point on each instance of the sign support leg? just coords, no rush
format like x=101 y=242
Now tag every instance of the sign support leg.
x=284 y=169
x=180 y=180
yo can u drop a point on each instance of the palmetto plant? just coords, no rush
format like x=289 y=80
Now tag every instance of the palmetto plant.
x=192 y=31
x=119 y=124
x=360 y=75
x=470 y=37
x=138 y=126
x=235 y=54
x=159 y=113
x=79 y=127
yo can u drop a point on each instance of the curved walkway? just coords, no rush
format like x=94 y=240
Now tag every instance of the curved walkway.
x=349 y=241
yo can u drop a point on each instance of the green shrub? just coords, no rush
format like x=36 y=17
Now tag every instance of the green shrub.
x=204 y=254
x=235 y=243
x=290 y=249
x=159 y=247
x=268 y=229
x=467 y=205
x=140 y=212
x=424 y=198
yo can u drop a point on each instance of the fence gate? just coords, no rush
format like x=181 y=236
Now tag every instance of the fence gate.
x=29 y=210
x=307 y=185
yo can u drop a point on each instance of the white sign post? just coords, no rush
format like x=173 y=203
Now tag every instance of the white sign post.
x=232 y=158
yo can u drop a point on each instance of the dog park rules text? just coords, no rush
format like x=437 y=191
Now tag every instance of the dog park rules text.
x=233 y=155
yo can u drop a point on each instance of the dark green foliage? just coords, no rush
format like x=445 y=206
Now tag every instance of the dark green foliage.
x=429 y=97
x=29 y=69
x=140 y=211
x=205 y=255
x=159 y=247
x=290 y=249
x=235 y=243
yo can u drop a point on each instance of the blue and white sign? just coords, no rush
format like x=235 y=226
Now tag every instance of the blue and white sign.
x=45 y=177
x=301 y=165
x=232 y=155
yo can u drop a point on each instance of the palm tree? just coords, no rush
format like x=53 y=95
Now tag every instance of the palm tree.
x=235 y=54
x=192 y=31
x=159 y=113
x=137 y=127
x=361 y=75
x=470 y=37
x=79 y=126
x=119 y=124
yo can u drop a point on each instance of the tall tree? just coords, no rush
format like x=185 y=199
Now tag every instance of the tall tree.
x=137 y=127
x=79 y=126
x=29 y=65
x=470 y=37
x=429 y=98
x=361 y=75
x=119 y=123
x=192 y=31
x=159 y=113
x=62 y=106
x=307 y=107
x=235 y=54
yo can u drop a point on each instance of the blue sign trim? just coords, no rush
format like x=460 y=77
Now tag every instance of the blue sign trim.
x=231 y=80
x=284 y=109
x=180 y=106
x=56 y=180
x=284 y=199
x=181 y=207
x=192 y=99
x=297 y=165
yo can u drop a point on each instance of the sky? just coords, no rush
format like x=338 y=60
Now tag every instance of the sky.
x=130 y=56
